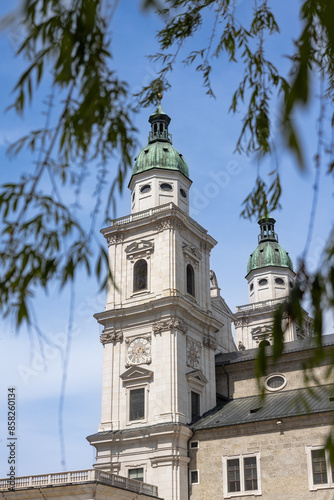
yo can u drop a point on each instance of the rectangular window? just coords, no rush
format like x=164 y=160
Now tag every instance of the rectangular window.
x=233 y=472
x=241 y=475
x=195 y=405
x=137 y=404
x=321 y=471
x=137 y=474
x=194 y=477
x=194 y=444
x=319 y=467
x=250 y=473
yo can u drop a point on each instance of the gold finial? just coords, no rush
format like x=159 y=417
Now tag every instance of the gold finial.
x=159 y=97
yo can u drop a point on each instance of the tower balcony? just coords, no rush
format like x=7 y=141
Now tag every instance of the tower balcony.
x=264 y=304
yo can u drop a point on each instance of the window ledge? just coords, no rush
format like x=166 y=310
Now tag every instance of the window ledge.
x=140 y=292
x=190 y=297
x=322 y=487
x=243 y=494
x=136 y=422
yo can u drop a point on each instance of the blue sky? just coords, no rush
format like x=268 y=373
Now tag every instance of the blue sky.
x=205 y=133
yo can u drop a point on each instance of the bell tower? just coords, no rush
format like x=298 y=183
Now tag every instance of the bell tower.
x=160 y=333
x=270 y=279
x=160 y=174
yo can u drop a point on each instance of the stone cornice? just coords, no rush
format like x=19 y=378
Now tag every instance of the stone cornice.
x=159 y=217
x=162 y=307
x=145 y=431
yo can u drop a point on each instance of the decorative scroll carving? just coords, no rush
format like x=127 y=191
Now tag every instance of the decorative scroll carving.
x=262 y=333
x=262 y=330
x=209 y=342
x=241 y=322
x=173 y=323
x=108 y=337
x=139 y=250
x=206 y=247
x=115 y=238
x=171 y=223
x=192 y=252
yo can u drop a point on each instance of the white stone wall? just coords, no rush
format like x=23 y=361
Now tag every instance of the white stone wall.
x=154 y=195
x=169 y=318
x=272 y=289
x=243 y=382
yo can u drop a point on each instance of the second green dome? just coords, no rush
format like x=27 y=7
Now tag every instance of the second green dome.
x=268 y=251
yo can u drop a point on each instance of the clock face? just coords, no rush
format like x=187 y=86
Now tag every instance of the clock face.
x=139 y=351
x=193 y=354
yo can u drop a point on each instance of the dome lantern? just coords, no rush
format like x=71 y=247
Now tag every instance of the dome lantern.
x=159 y=152
x=159 y=121
x=267 y=230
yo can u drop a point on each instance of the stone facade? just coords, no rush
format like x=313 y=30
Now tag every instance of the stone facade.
x=283 y=455
x=162 y=326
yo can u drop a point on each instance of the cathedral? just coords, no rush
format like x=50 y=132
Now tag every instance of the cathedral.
x=183 y=413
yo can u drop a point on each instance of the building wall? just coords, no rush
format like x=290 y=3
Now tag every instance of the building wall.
x=283 y=454
x=243 y=382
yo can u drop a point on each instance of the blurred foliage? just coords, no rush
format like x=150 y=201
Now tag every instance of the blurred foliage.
x=41 y=238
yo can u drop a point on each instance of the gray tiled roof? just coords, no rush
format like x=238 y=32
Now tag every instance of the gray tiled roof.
x=249 y=354
x=274 y=406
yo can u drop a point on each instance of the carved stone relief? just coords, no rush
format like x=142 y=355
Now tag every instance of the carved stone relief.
x=115 y=238
x=108 y=337
x=241 y=322
x=173 y=323
x=171 y=223
x=206 y=247
x=211 y=343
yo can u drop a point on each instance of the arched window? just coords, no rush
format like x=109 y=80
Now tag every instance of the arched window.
x=264 y=342
x=190 y=280
x=140 y=275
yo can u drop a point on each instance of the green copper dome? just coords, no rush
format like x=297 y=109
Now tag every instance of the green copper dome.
x=159 y=152
x=268 y=251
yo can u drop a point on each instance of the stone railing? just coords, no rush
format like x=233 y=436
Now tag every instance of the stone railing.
x=142 y=215
x=81 y=476
x=260 y=305
x=152 y=211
